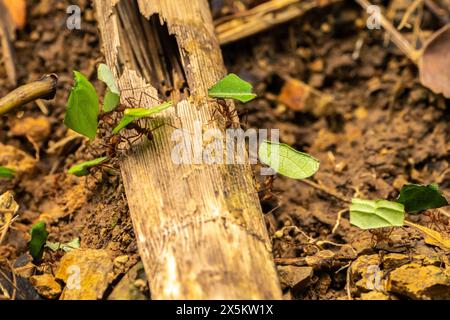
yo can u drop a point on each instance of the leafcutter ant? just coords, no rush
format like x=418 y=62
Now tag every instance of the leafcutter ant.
x=231 y=116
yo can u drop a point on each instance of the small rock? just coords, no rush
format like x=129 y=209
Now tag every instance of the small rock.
x=46 y=286
x=395 y=260
x=399 y=182
x=375 y=295
x=36 y=129
x=293 y=277
x=366 y=274
x=420 y=282
x=86 y=272
x=23 y=265
x=120 y=264
x=299 y=96
x=14 y=158
x=129 y=287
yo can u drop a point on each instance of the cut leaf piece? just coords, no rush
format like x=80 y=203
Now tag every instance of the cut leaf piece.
x=105 y=74
x=111 y=101
x=6 y=173
x=133 y=114
x=69 y=246
x=232 y=87
x=39 y=235
x=287 y=161
x=82 y=169
x=416 y=197
x=82 y=107
x=371 y=214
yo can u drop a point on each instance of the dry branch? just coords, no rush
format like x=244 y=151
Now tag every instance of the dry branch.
x=44 y=88
x=263 y=17
x=199 y=227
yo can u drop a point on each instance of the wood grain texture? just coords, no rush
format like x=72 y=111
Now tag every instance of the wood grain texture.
x=200 y=229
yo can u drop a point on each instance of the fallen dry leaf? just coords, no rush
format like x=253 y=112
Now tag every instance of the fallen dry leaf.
x=18 y=11
x=434 y=64
x=299 y=96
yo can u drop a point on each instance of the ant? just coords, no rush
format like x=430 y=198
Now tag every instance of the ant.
x=267 y=188
x=380 y=235
x=437 y=220
x=230 y=115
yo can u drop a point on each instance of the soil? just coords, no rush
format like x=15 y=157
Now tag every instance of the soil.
x=385 y=130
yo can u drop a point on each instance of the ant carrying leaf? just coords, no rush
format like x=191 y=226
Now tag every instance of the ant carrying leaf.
x=131 y=115
x=232 y=87
x=112 y=95
x=82 y=107
x=84 y=168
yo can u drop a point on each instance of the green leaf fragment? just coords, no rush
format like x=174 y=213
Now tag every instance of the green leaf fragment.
x=287 y=161
x=105 y=74
x=111 y=101
x=82 y=107
x=39 y=235
x=416 y=197
x=371 y=214
x=82 y=169
x=232 y=87
x=69 y=246
x=133 y=114
x=6 y=173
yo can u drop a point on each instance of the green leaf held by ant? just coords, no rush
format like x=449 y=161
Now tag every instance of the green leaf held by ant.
x=66 y=247
x=82 y=169
x=6 y=173
x=232 y=87
x=112 y=95
x=131 y=115
x=287 y=161
x=82 y=107
x=372 y=214
x=416 y=197
x=39 y=235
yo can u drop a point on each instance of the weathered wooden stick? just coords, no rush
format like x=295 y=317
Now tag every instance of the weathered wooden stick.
x=199 y=227
x=263 y=17
x=6 y=35
x=44 y=88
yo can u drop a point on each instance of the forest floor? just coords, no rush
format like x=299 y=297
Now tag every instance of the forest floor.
x=382 y=130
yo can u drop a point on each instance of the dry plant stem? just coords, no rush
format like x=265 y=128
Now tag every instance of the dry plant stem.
x=44 y=88
x=6 y=32
x=396 y=36
x=199 y=228
x=326 y=190
x=408 y=13
x=338 y=220
x=263 y=17
x=442 y=14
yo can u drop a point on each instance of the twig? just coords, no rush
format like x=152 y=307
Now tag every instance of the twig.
x=44 y=88
x=408 y=13
x=396 y=36
x=348 y=283
x=338 y=220
x=7 y=49
x=263 y=17
x=442 y=14
x=326 y=190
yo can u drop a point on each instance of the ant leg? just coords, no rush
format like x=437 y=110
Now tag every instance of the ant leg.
x=140 y=88
x=213 y=116
x=148 y=95
x=130 y=101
